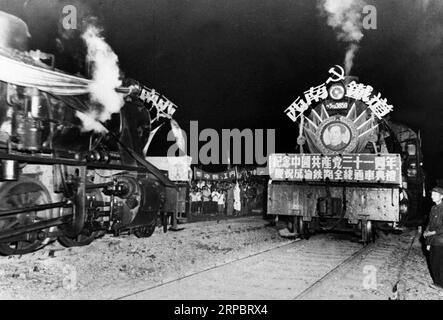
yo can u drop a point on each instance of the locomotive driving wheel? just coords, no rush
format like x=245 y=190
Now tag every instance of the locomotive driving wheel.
x=87 y=235
x=83 y=239
x=147 y=230
x=19 y=194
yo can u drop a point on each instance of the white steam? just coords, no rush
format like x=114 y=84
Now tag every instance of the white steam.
x=89 y=121
x=345 y=17
x=11 y=30
x=349 y=57
x=425 y=4
x=177 y=132
x=105 y=76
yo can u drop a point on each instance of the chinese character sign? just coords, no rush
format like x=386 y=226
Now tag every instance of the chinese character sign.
x=230 y=174
x=165 y=108
x=378 y=106
x=366 y=168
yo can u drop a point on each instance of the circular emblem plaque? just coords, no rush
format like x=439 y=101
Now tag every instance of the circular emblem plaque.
x=337 y=135
x=337 y=91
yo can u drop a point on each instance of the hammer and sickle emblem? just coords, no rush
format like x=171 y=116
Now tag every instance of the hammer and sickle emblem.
x=340 y=74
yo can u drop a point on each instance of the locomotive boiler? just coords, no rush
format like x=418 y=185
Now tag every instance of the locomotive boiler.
x=57 y=180
x=355 y=169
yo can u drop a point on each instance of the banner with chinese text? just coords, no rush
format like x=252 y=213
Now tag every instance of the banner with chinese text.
x=261 y=171
x=200 y=174
x=369 y=168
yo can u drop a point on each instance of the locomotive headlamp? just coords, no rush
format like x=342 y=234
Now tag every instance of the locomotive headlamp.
x=337 y=91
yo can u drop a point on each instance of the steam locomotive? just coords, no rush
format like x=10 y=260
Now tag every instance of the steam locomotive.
x=58 y=181
x=355 y=170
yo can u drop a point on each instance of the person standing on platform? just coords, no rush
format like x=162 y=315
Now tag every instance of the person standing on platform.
x=198 y=196
x=221 y=202
x=434 y=238
x=206 y=199
x=214 y=197
x=225 y=196
x=244 y=199
x=193 y=198
x=230 y=200
x=251 y=195
x=237 y=200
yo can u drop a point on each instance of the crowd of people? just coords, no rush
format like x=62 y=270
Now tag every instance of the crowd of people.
x=225 y=198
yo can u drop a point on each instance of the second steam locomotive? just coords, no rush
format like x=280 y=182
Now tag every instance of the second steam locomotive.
x=355 y=168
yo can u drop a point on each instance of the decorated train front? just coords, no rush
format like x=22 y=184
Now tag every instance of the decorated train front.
x=353 y=165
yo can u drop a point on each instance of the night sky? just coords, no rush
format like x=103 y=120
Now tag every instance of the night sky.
x=240 y=63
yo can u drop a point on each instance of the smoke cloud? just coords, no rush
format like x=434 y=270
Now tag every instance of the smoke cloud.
x=105 y=75
x=344 y=16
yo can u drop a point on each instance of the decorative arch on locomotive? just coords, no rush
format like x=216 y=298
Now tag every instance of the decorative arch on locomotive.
x=351 y=167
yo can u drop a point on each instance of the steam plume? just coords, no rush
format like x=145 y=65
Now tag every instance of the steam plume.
x=13 y=32
x=349 y=57
x=180 y=140
x=105 y=74
x=344 y=16
x=89 y=121
x=425 y=4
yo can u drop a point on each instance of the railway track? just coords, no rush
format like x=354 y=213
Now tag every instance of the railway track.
x=281 y=272
x=309 y=291
x=373 y=272
x=140 y=292
x=324 y=267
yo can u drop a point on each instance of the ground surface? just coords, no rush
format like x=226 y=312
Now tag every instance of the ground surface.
x=243 y=258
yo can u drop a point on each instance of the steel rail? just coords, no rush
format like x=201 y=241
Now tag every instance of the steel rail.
x=329 y=274
x=205 y=270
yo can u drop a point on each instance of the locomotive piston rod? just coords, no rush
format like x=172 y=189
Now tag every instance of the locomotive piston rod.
x=36 y=226
x=41 y=207
x=98 y=185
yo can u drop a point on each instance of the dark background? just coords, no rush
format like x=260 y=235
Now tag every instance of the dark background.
x=240 y=63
